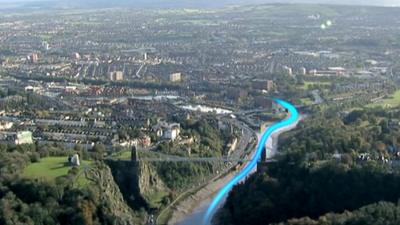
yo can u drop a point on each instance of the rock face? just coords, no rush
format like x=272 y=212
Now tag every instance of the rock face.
x=126 y=176
x=149 y=181
x=142 y=183
x=136 y=181
x=113 y=205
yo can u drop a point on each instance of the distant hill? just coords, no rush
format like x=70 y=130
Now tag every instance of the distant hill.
x=214 y=3
x=46 y=4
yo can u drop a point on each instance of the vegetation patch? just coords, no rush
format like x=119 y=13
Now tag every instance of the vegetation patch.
x=50 y=168
x=388 y=102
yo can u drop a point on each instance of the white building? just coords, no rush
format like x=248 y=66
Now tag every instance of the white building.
x=175 y=77
x=232 y=145
x=288 y=70
x=303 y=71
x=116 y=75
x=30 y=88
x=23 y=137
x=172 y=133
x=167 y=131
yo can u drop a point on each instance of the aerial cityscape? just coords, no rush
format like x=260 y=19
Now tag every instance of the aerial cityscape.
x=206 y=113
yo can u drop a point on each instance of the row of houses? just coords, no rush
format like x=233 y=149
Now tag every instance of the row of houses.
x=18 y=138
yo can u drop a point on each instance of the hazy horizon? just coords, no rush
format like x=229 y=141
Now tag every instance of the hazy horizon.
x=204 y=3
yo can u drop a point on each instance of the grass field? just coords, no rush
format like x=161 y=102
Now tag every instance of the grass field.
x=390 y=102
x=306 y=101
x=52 y=167
x=123 y=155
x=307 y=84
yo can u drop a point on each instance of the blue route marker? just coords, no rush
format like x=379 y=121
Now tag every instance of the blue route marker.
x=253 y=163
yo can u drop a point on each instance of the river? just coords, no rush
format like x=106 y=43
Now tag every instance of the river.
x=196 y=215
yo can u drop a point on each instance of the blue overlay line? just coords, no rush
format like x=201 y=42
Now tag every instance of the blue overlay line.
x=293 y=116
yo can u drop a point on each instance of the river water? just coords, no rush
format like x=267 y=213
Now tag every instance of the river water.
x=197 y=215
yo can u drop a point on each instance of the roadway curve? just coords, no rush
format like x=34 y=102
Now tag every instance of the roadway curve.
x=289 y=121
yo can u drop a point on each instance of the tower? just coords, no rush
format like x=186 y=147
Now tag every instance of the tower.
x=134 y=154
x=262 y=164
x=264 y=155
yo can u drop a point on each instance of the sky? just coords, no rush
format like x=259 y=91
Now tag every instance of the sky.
x=206 y=3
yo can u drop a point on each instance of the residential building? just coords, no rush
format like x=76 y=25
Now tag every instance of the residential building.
x=116 y=75
x=270 y=85
x=167 y=131
x=145 y=141
x=175 y=77
x=303 y=71
x=172 y=133
x=5 y=125
x=23 y=137
x=33 y=58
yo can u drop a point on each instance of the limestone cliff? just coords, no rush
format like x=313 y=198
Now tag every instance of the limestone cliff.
x=150 y=182
x=138 y=182
x=113 y=206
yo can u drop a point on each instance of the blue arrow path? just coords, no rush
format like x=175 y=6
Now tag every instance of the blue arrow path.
x=293 y=116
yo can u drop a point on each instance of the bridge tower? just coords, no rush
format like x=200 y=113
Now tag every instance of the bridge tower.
x=264 y=155
x=262 y=164
x=134 y=154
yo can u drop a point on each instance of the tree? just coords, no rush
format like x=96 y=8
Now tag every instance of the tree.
x=99 y=150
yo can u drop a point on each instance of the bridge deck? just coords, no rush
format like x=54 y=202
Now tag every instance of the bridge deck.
x=211 y=159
